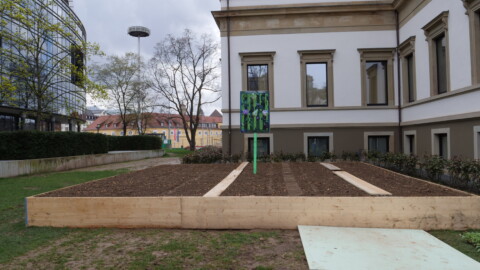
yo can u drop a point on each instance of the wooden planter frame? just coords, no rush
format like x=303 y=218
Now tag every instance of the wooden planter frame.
x=427 y=213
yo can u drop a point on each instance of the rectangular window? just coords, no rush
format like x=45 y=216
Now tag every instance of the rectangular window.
x=442 y=145
x=410 y=78
x=410 y=145
x=441 y=56
x=377 y=82
x=263 y=147
x=257 y=78
x=436 y=32
x=378 y=144
x=316 y=84
x=377 y=76
x=318 y=146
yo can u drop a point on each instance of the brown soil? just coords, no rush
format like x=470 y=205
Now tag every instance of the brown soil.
x=165 y=180
x=397 y=184
x=273 y=179
x=267 y=182
x=316 y=180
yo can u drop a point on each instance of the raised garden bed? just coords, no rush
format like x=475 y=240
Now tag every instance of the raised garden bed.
x=169 y=197
x=165 y=180
x=395 y=183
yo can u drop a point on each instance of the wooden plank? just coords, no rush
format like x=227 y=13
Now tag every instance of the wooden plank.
x=226 y=182
x=426 y=213
x=363 y=185
x=161 y=212
x=330 y=166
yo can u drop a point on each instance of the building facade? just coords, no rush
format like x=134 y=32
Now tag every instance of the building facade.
x=346 y=75
x=66 y=95
x=209 y=132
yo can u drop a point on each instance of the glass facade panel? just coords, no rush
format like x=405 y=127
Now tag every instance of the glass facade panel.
x=318 y=146
x=316 y=84
x=377 y=84
x=257 y=78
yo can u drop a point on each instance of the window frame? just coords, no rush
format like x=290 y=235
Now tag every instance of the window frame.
x=247 y=136
x=314 y=57
x=435 y=141
x=473 y=12
x=476 y=142
x=433 y=30
x=378 y=55
x=306 y=135
x=391 y=139
x=407 y=49
x=259 y=58
x=406 y=143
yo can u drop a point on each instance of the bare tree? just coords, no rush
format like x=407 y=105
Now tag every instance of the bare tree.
x=119 y=77
x=184 y=73
x=145 y=104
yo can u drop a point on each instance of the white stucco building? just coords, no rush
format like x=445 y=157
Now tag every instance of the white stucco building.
x=348 y=75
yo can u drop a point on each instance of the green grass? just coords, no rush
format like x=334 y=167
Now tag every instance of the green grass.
x=472 y=238
x=455 y=239
x=16 y=239
x=177 y=152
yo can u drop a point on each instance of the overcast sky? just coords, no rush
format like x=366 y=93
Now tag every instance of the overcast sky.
x=107 y=21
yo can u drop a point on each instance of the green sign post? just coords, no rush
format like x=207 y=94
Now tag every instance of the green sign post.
x=254 y=116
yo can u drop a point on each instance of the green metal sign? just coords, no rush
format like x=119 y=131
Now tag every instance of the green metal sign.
x=254 y=112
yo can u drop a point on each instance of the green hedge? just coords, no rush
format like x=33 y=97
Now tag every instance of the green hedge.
x=126 y=143
x=34 y=144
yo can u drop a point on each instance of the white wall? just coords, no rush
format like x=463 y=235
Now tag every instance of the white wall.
x=287 y=81
x=460 y=104
x=242 y=3
x=326 y=117
x=459 y=44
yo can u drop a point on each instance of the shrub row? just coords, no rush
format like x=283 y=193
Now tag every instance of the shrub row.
x=125 y=143
x=21 y=145
x=33 y=144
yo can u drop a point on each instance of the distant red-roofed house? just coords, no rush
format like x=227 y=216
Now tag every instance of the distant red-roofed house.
x=208 y=132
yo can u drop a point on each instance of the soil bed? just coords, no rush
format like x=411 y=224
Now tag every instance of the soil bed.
x=397 y=184
x=267 y=182
x=312 y=178
x=165 y=180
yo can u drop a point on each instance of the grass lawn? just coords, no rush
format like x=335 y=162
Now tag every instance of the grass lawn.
x=56 y=248
x=16 y=238
x=177 y=152
x=454 y=239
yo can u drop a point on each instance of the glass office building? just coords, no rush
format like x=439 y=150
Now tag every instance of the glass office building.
x=65 y=90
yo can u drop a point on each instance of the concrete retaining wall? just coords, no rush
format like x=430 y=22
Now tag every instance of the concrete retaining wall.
x=12 y=168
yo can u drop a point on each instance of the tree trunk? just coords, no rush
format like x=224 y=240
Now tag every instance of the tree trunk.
x=192 y=141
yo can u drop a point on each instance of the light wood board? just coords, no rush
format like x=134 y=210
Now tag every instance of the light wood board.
x=226 y=182
x=363 y=185
x=426 y=213
x=330 y=166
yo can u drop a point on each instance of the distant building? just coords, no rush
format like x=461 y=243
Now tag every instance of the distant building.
x=216 y=113
x=208 y=133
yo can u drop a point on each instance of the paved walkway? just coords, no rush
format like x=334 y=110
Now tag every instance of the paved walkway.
x=134 y=165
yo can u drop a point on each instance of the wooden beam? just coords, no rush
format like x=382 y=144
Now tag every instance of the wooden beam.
x=426 y=213
x=363 y=185
x=226 y=182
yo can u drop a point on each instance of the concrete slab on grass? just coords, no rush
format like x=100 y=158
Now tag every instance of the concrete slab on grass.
x=335 y=248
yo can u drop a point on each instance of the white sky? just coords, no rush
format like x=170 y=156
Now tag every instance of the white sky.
x=107 y=21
